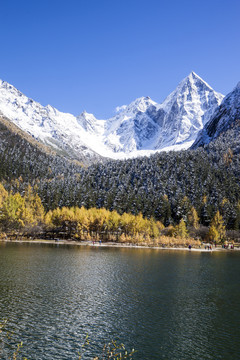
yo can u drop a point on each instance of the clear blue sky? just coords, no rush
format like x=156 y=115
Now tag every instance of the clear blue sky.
x=95 y=55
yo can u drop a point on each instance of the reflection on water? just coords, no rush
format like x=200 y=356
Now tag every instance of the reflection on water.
x=168 y=305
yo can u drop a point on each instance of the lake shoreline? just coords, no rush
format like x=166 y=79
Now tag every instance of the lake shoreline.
x=96 y=244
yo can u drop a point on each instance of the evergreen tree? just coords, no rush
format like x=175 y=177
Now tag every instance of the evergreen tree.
x=237 y=216
x=165 y=210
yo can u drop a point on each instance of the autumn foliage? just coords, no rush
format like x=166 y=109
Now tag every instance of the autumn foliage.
x=23 y=215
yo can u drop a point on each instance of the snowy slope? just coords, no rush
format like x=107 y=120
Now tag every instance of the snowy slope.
x=144 y=126
x=141 y=128
x=186 y=111
x=222 y=119
x=48 y=125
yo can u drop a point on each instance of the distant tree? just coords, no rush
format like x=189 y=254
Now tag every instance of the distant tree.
x=217 y=230
x=181 y=229
x=228 y=212
x=3 y=194
x=34 y=210
x=13 y=212
x=155 y=228
x=165 y=210
x=237 y=216
x=183 y=208
x=227 y=157
x=170 y=230
x=193 y=219
x=205 y=211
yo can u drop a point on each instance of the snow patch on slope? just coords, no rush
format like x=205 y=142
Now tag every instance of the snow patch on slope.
x=140 y=128
x=223 y=117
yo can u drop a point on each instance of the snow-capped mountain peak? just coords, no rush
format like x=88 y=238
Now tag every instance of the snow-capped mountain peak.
x=139 y=105
x=188 y=86
x=185 y=111
x=90 y=124
x=193 y=78
x=48 y=125
x=142 y=127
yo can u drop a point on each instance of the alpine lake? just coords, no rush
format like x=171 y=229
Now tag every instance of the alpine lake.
x=174 y=305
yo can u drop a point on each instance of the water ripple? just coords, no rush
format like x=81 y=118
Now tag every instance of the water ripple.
x=167 y=305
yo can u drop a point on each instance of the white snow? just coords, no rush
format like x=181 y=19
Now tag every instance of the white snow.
x=138 y=129
x=221 y=119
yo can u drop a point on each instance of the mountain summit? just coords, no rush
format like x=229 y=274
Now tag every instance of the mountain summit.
x=142 y=127
x=145 y=126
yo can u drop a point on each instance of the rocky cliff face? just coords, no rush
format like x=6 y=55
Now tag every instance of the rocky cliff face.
x=223 y=118
x=145 y=126
x=141 y=128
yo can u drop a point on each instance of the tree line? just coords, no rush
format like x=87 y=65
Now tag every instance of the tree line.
x=164 y=186
x=23 y=215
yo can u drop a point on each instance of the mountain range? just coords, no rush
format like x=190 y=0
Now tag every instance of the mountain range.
x=165 y=185
x=141 y=128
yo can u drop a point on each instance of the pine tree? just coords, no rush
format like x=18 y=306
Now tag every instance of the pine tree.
x=205 y=217
x=165 y=210
x=237 y=216
x=183 y=208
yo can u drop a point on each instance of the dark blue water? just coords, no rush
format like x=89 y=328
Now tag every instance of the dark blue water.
x=166 y=304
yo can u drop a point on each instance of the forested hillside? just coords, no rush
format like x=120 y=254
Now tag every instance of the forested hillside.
x=164 y=186
x=21 y=156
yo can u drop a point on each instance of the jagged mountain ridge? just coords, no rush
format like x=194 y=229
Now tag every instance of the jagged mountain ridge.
x=145 y=125
x=46 y=124
x=222 y=119
x=21 y=156
x=142 y=127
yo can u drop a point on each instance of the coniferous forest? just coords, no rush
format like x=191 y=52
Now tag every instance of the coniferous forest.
x=165 y=189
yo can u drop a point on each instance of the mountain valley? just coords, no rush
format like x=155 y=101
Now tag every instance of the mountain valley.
x=164 y=185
